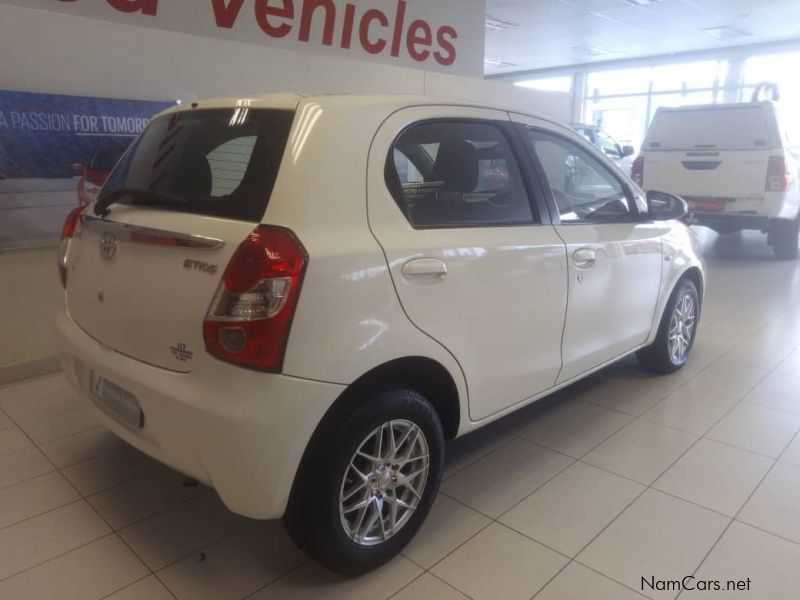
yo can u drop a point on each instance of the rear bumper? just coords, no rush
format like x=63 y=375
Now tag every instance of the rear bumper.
x=730 y=222
x=240 y=431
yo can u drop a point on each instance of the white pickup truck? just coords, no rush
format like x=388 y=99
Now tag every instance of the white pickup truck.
x=732 y=164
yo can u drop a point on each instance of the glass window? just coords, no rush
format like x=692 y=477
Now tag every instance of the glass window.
x=623 y=81
x=228 y=164
x=607 y=144
x=737 y=127
x=781 y=70
x=584 y=190
x=548 y=84
x=219 y=162
x=696 y=75
x=623 y=118
x=587 y=133
x=457 y=174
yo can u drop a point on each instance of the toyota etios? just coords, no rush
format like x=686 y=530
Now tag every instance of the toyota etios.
x=297 y=300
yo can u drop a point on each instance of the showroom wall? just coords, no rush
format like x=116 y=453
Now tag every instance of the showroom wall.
x=56 y=53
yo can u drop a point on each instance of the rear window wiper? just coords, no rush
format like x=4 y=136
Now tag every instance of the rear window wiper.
x=142 y=196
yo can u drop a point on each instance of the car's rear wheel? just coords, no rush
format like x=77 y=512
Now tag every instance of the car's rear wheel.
x=676 y=333
x=784 y=235
x=368 y=483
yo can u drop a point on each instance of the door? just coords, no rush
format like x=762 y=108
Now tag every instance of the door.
x=615 y=257
x=473 y=264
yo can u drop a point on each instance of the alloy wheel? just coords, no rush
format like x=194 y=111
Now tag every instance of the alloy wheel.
x=384 y=482
x=681 y=328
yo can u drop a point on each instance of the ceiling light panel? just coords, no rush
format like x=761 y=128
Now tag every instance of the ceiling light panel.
x=497 y=24
x=725 y=32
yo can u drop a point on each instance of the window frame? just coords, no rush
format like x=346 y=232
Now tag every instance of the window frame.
x=540 y=212
x=635 y=215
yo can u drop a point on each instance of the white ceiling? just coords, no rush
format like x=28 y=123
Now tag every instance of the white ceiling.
x=554 y=33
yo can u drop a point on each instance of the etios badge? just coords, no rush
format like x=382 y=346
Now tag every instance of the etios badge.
x=108 y=246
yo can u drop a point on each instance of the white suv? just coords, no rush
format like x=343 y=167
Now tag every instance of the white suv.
x=297 y=300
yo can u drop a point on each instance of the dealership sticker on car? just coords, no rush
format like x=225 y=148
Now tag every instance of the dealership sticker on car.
x=115 y=401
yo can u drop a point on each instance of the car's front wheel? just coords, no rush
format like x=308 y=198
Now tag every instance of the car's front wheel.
x=676 y=332
x=368 y=483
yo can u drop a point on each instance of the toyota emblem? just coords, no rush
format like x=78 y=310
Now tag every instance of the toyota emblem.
x=108 y=246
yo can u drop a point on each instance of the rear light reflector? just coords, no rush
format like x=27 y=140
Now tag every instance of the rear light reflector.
x=71 y=229
x=249 y=320
x=779 y=179
x=637 y=171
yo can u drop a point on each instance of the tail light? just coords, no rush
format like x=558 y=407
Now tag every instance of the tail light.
x=249 y=320
x=637 y=171
x=779 y=179
x=71 y=229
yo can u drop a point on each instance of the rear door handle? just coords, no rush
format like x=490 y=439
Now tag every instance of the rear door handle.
x=430 y=269
x=585 y=258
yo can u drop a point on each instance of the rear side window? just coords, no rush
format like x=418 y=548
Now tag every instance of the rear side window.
x=212 y=162
x=457 y=174
x=746 y=127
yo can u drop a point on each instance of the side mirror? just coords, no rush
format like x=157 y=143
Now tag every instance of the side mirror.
x=627 y=151
x=662 y=206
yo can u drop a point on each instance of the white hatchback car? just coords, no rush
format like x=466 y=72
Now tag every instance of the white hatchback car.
x=297 y=300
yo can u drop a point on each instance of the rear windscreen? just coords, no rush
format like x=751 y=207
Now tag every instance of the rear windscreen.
x=735 y=128
x=219 y=162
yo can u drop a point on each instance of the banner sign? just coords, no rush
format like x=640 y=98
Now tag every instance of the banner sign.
x=438 y=35
x=55 y=151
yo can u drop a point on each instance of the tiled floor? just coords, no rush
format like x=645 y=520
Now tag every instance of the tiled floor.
x=621 y=477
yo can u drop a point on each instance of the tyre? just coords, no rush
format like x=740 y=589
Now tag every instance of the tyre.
x=676 y=333
x=783 y=235
x=367 y=483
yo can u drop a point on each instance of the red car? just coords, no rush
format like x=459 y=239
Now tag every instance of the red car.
x=96 y=171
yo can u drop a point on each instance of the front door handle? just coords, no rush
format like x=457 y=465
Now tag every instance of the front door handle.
x=585 y=258
x=430 y=269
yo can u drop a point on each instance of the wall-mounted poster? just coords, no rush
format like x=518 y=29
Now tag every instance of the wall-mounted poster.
x=55 y=153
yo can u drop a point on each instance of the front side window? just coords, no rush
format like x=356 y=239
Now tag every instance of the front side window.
x=583 y=188
x=457 y=174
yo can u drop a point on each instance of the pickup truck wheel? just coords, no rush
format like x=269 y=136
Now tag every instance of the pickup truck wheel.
x=676 y=333
x=369 y=484
x=784 y=234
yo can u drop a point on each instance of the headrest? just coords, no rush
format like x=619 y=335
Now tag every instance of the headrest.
x=456 y=166
x=194 y=179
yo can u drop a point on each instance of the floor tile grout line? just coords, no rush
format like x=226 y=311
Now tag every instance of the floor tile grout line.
x=598 y=534
x=627 y=587
x=450 y=585
x=481 y=457
x=155 y=469
x=61 y=554
x=126 y=586
x=211 y=542
x=735 y=518
x=274 y=581
x=83 y=499
x=22 y=382
x=755 y=488
x=766 y=531
x=159 y=511
x=574 y=460
x=44 y=512
x=422 y=574
x=648 y=487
